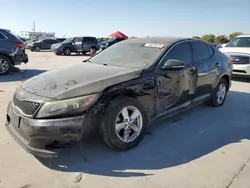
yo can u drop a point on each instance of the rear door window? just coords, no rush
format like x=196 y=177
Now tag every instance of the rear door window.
x=2 y=36
x=90 y=39
x=200 y=51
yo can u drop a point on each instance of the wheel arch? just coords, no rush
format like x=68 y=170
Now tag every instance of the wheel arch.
x=7 y=56
x=227 y=78
x=108 y=97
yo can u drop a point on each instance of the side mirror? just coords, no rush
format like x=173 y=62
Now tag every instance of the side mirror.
x=173 y=64
x=223 y=45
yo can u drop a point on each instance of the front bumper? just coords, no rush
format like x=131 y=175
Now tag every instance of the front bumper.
x=243 y=70
x=57 y=50
x=43 y=138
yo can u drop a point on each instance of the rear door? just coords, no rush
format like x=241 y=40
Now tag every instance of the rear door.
x=201 y=59
x=88 y=42
x=45 y=44
x=176 y=88
x=78 y=44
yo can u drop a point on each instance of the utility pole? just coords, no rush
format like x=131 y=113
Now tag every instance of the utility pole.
x=34 y=29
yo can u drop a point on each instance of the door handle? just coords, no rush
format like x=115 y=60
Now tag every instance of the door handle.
x=217 y=65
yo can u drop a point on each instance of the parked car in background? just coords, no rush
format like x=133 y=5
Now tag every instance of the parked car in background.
x=239 y=51
x=12 y=51
x=76 y=45
x=22 y=39
x=110 y=42
x=119 y=91
x=44 y=44
x=60 y=39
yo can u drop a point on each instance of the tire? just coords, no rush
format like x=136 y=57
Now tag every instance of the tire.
x=93 y=50
x=109 y=131
x=66 y=51
x=5 y=65
x=37 y=49
x=214 y=101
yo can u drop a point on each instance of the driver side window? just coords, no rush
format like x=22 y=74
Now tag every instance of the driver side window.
x=181 y=52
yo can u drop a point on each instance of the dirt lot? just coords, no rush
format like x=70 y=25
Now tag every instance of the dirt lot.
x=202 y=148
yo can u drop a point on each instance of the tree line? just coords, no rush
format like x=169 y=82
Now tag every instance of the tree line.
x=220 y=39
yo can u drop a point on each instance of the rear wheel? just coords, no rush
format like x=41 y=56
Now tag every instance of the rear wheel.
x=219 y=95
x=37 y=49
x=92 y=51
x=5 y=65
x=66 y=51
x=123 y=124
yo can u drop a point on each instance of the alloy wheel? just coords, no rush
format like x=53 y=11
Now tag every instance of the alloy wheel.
x=67 y=51
x=221 y=93
x=4 y=66
x=129 y=124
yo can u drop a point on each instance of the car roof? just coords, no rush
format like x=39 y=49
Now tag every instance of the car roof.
x=243 y=36
x=167 y=41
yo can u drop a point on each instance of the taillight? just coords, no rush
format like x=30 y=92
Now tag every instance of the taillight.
x=19 y=45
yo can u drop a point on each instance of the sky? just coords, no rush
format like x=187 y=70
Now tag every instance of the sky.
x=184 y=18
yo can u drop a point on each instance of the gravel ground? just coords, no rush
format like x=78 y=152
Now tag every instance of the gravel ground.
x=201 y=148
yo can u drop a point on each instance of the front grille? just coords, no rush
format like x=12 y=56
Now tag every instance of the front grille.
x=240 y=60
x=27 y=107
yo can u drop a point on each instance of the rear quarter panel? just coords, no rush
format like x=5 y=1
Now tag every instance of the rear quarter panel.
x=226 y=67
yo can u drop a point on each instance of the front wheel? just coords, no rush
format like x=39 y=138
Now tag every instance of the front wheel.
x=219 y=95
x=66 y=51
x=37 y=49
x=123 y=124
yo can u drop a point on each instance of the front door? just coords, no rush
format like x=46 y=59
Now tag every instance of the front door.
x=176 y=88
x=201 y=58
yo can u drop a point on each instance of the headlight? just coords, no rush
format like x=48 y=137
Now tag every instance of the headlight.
x=68 y=106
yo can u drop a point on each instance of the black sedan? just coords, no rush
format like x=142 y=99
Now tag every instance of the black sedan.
x=121 y=91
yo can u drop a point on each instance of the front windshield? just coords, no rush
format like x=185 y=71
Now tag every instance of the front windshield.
x=239 y=42
x=129 y=54
x=68 y=40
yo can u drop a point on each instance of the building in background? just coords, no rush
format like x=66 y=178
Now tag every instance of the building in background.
x=36 y=35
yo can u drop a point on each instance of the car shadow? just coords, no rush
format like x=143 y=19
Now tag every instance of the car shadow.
x=20 y=75
x=173 y=142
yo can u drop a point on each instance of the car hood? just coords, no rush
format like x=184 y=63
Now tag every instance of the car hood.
x=235 y=50
x=78 y=80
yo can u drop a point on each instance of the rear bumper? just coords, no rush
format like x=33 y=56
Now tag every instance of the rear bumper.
x=43 y=138
x=243 y=70
x=19 y=56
